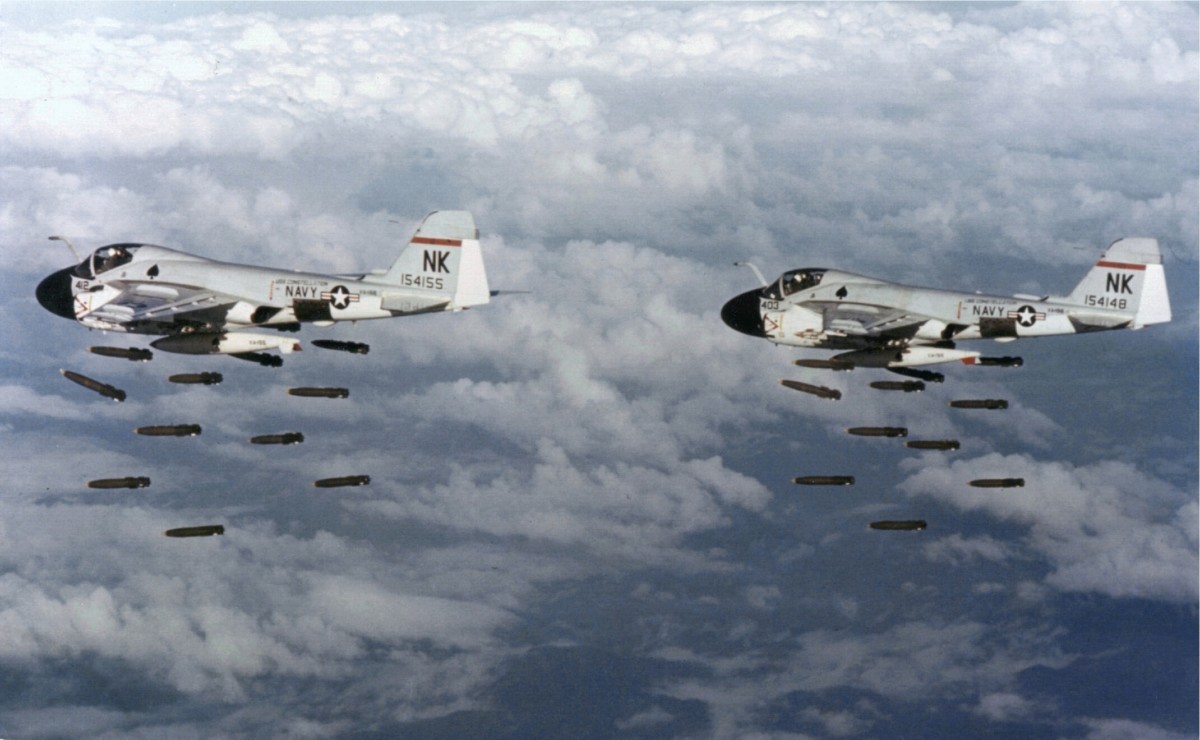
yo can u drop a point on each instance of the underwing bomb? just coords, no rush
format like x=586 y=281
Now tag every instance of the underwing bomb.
x=319 y=392
x=908 y=386
x=824 y=480
x=135 y=354
x=103 y=389
x=899 y=525
x=998 y=483
x=345 y=480
x=169 y=430
x=980 y=403
x=878 y=431
x=841 y=365
x=132 y=481
x=912 y=372
x=287 y=438
x=820 y=391
x=262 y=358
x=204 y=530
x=999 y=361
x=357 y=348
x=933 y=444
x=199 y=378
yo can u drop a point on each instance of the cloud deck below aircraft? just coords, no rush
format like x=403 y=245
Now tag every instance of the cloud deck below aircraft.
x=591 y=483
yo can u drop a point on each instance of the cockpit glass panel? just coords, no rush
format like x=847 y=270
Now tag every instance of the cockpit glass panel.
x=111 y=257
x=797 y=280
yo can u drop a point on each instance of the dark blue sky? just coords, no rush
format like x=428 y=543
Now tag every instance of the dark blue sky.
x=581 y=521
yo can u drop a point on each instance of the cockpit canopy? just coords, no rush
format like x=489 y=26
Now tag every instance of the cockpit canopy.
x=794 y=281
x=105 y=259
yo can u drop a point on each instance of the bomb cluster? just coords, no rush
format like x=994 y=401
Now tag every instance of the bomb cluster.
x=915 y=385
x=208 y=378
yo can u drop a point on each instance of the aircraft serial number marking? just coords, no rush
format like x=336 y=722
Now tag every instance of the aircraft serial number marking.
x=408 y=280
x=1101 y=301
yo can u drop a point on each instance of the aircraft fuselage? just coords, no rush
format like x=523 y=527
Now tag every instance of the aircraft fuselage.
x=893 y=325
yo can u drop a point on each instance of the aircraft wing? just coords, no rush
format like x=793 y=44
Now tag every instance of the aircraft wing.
x=866 y=320
x=163 y=303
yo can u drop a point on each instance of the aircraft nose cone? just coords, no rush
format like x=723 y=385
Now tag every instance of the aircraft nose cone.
x=741 y=314
x=54 y=293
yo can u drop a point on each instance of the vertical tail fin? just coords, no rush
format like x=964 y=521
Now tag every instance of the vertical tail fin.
x=1129 y=277
x=443 y=258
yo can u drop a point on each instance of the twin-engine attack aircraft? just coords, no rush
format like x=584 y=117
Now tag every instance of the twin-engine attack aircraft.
x=203 y=306
x=888 y=325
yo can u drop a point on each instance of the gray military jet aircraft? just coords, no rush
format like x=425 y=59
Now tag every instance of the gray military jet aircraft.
x=203 y=306
x=888 y=325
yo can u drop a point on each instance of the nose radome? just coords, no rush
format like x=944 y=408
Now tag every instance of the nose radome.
x=742 y=314
x=54 y=293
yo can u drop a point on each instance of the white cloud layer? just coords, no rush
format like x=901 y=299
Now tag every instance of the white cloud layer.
x=1106 y=528
x=598 y=467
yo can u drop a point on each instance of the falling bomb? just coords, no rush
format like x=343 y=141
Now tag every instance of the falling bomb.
x=135 y=354
x=103 y=389
x=820 y=391
x=319 y=392
x=204 y=530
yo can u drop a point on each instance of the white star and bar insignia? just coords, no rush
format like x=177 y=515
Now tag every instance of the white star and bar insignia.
x=340 y=297
x=1027 y=315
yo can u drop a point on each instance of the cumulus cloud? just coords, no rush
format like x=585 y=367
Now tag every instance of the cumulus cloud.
x=186 y=621
x=907 y=662
x=1111 y=729
x=1106 y=527
x=528 y=96
x=598 y=464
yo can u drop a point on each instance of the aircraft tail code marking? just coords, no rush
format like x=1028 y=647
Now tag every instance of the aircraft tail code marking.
x=434 y=261
x=1115 y=283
